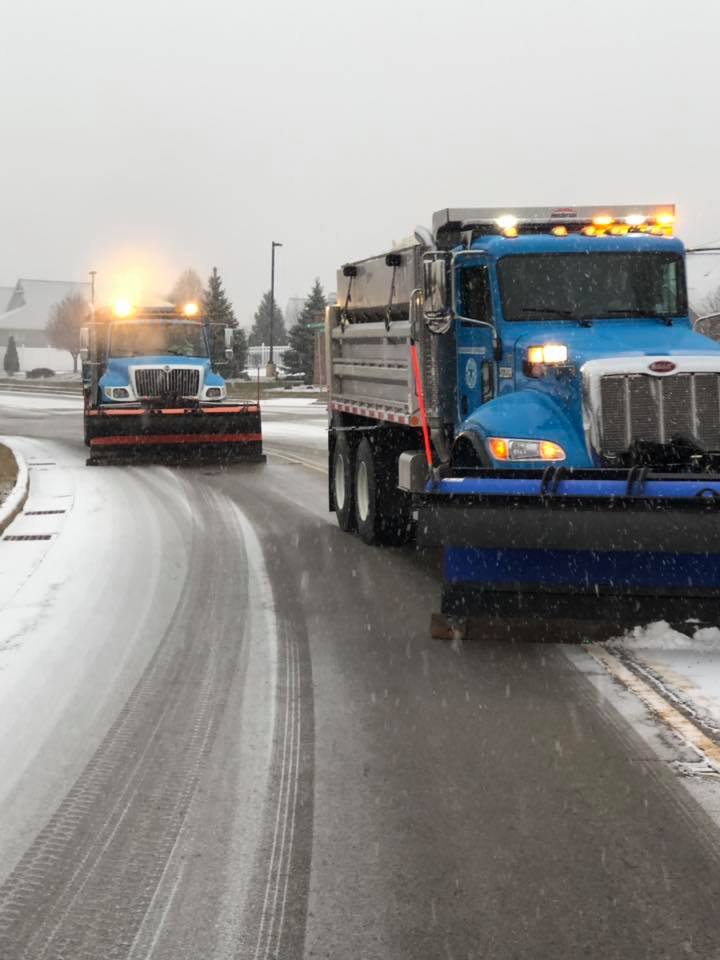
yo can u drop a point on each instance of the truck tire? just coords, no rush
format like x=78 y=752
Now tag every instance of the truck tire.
x=343 y=488
x=382 y=511
x=86 y=430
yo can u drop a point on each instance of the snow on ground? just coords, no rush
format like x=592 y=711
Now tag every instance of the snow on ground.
x=314 y=434
x=661 y=636
x=687 y=668
x=63 y=610
x=294 y=403
x=32 y=401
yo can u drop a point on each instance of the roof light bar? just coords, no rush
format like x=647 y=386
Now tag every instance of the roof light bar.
x=617 y=220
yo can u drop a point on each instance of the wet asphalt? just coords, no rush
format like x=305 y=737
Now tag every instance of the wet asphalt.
x=299 y=770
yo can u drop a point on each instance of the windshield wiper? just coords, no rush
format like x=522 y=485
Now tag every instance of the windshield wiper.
x=558 y=312
x=637 y=312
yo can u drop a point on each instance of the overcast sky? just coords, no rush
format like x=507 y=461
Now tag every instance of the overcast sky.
x=154 y=135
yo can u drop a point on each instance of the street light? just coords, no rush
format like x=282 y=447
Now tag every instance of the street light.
x=271 y=369
x=93 y=274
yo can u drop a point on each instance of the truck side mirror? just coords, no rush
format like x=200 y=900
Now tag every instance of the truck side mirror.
x=84 y=343
x=228 y=343
x=708 y=325
x=436 y=309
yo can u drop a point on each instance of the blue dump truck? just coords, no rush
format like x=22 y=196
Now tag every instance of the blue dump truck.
x=524 y=388
x=151 y=387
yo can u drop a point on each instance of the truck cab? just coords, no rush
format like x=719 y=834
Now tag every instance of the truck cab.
x=574 y=345
x=158 y=355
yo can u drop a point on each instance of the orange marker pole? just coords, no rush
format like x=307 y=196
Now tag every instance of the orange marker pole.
x=421 y=400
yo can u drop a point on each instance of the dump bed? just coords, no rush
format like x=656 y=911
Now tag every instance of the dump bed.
x=369 y=333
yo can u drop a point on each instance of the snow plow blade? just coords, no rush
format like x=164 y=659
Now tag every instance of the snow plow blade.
x=610 y=547
x=220 y=432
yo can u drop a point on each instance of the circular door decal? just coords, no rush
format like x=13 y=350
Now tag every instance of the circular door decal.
x=471 y=374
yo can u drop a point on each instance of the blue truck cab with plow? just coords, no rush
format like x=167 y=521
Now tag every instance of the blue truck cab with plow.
x=151 y=386
x=524 y=387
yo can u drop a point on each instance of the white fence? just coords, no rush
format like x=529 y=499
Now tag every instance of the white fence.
x=260 y=356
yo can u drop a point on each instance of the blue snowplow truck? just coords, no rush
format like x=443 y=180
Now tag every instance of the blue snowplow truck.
x=151 y=389
x=523 y=387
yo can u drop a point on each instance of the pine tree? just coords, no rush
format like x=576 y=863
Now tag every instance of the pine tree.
x=240 y=352
x=216 y=306
x=11 y=362
x=219 y=314
x=260 y=332
x=300 y=358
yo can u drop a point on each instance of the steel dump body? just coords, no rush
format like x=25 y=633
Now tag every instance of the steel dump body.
x=369 y=335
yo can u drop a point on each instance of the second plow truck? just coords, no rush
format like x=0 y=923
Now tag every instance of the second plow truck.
x=151 y=388
x=525 y=388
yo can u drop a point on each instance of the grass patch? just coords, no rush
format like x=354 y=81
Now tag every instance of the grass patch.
x=238 y=390
x=247 y=390
x=8 y=472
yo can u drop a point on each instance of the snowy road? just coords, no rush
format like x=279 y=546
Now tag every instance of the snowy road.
x=226 y=733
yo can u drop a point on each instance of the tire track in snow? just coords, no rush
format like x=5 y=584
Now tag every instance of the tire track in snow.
x=84 y=887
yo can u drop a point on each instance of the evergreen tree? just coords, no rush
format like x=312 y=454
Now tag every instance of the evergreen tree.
x=260 y=332
x=300 y=358
x=240 y=352
x=216 y=306
x=11 y=362
x=188 y=289
x=218 y=313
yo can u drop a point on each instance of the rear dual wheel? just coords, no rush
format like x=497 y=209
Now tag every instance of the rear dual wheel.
x=382 y=512
x=343 y=484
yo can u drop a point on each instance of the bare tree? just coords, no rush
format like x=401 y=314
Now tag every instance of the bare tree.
x=66 y=319
x=710 y=303
x=188 y=289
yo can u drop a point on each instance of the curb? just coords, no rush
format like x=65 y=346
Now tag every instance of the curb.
x=15 y=501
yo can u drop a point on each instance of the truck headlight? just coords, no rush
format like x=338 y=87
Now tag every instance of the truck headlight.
x=118 y=393
x=548 y=353
x=503 y=448
x=214 y=393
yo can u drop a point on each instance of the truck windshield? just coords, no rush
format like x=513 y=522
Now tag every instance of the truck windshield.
x=582 y=286
x=157 y=339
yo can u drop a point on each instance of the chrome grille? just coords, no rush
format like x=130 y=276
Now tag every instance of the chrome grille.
x=637 y=406
x=151 y=382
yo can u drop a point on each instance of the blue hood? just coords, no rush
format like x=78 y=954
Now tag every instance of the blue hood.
x=117 y=370
x=614 y=338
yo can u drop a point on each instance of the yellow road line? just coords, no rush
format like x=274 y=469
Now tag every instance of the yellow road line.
x=293 y=459
x=678 y=722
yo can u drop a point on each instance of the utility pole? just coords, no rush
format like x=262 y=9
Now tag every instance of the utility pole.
x=271 y=369
x=93 y=274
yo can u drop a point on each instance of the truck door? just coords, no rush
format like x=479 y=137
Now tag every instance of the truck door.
x=475 y=362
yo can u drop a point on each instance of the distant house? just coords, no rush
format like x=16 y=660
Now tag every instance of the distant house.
x=24 y=313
